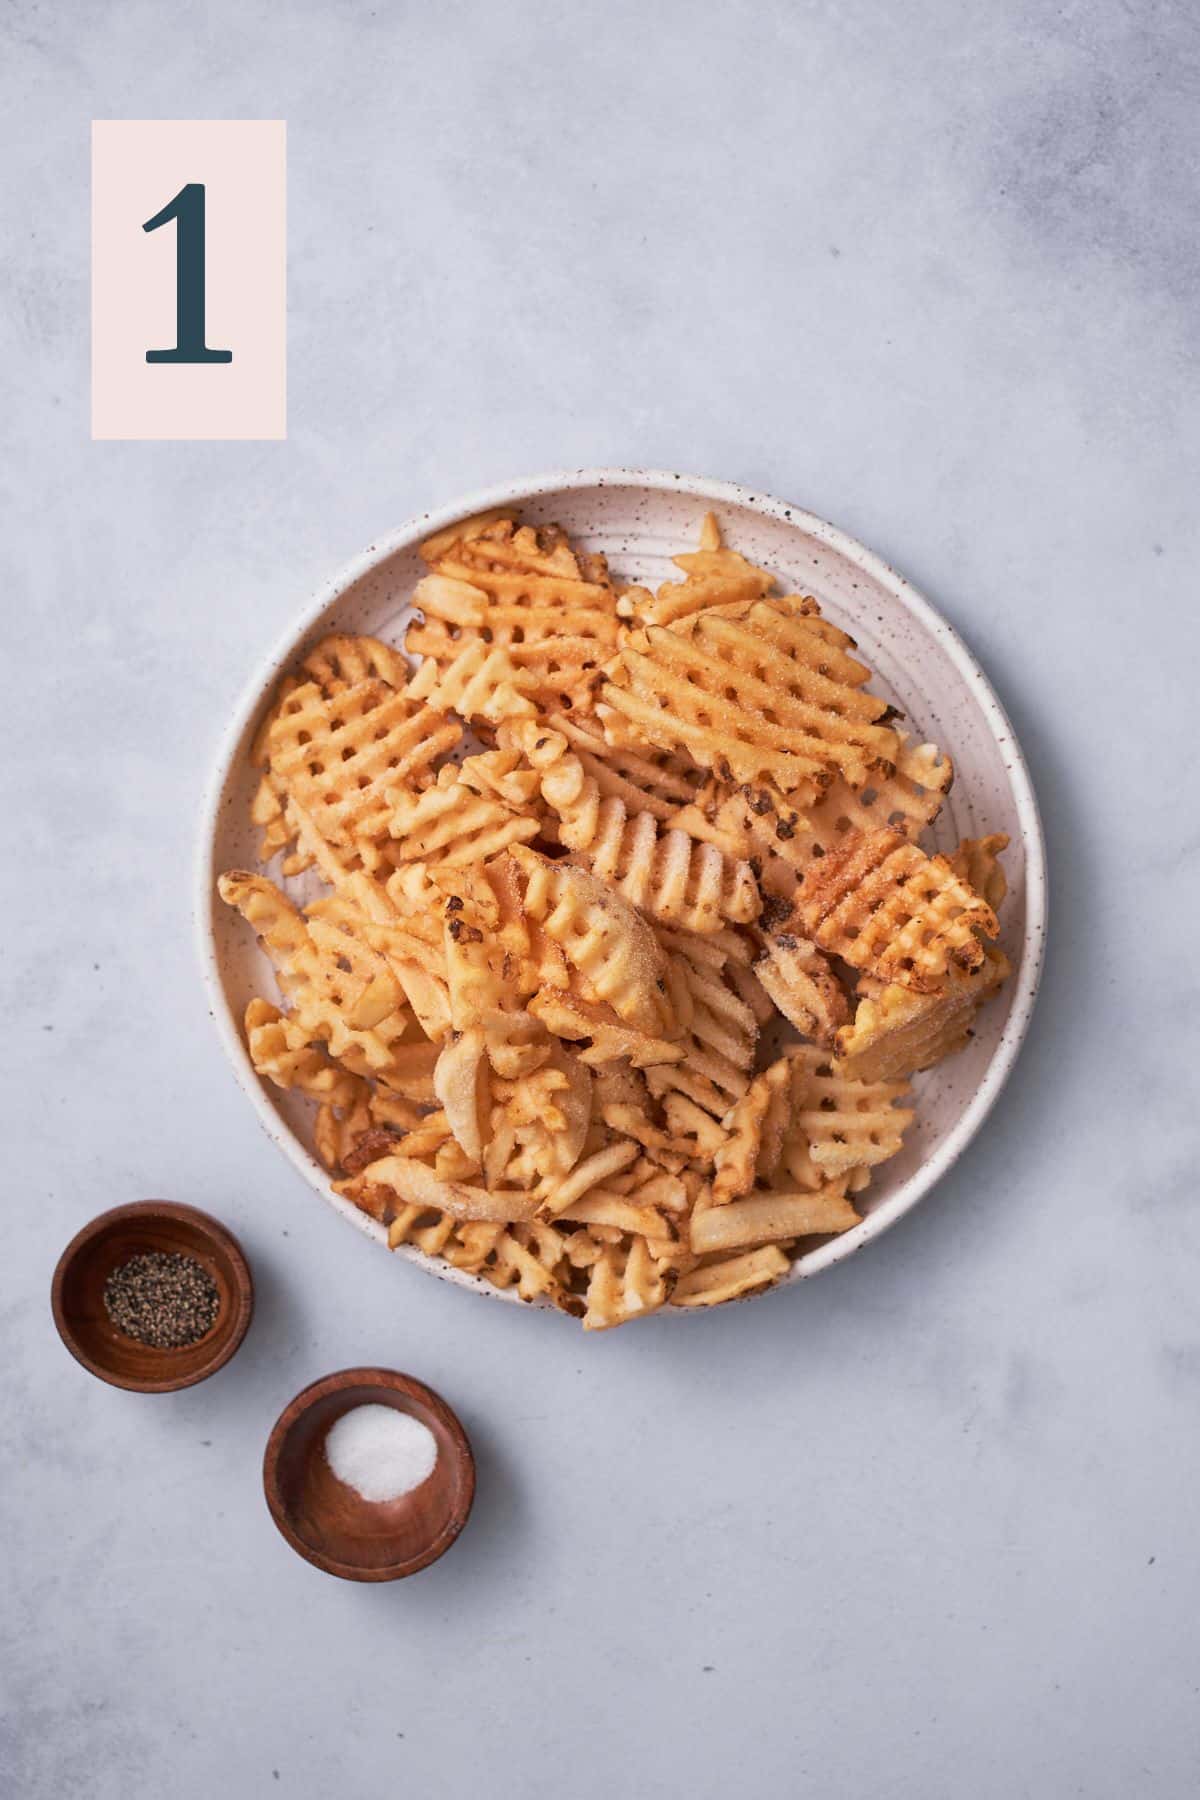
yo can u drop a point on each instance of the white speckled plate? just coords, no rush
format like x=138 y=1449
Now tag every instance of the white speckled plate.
x=640 y=519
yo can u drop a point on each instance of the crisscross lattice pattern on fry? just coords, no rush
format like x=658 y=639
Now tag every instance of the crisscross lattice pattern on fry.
x=769 y=695
x=337 y=752
x=603 y=937
x=837 y=1123
x=526 y=590
x=665 y=873
x=452 y=822
x=882 y=905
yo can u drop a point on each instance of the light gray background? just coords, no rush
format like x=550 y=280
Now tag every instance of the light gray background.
x=926 y=1526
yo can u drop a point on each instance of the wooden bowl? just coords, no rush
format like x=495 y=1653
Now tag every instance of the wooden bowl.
x=329 y=1523
x=110 y=1240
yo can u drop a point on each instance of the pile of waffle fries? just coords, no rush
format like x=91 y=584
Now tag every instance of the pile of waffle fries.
x=589 y=856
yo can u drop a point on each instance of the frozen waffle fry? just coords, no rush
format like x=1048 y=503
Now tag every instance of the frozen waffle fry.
x=453 y=823
x=714 y=576
x=882 y=905
x=730 y=1278
x=837 y=1123
x=551 y=610
x=795 y=975
x=337 y=746
x=896 y=1032
x=604 y=938
x=665 y=873
x=772 y=695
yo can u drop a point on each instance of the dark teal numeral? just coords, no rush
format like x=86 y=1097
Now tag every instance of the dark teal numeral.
x=187 y=210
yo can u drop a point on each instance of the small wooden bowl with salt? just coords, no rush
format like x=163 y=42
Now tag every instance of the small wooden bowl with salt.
x=369 y=1475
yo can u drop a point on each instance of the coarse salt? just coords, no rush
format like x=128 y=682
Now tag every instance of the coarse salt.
x=380 y=1452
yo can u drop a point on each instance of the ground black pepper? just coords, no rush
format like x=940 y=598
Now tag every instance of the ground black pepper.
x=163 y=1299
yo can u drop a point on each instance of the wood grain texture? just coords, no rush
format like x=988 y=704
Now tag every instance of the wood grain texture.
x=329 y=1523
x=77 y=1295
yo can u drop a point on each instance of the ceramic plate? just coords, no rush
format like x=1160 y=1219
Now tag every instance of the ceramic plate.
x=640 y=519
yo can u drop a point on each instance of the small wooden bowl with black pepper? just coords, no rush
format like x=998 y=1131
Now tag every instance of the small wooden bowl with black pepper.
x=153 y=1296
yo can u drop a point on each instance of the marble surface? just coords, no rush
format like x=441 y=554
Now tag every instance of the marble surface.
x=925 y=1526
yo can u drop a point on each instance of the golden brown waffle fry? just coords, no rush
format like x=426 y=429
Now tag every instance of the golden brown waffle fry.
x=794 y=974
x=481 y=682
x=553 y=612
x=837 y=1123
x=896 y=1033
x=361 y=924
x=281 y=1049
x=340 y=662
x=907 y=798
x=730 y=1278
x=453 y=823
x=785 y=834
x=714 y=577
x=719 y=1041
x=594 y=1171
x=768 y=1217
x=977 y=862
x=349 y=1008
x=413 y=1183
x=625 y=1283
x=664 y=873
x=539 y=1123
x=336 y=746
x=771 y=696
x=736 y=1163
x=882 y=905
x=435 y=547
x=648 y=780
x=608 y=1039
x=603 y=938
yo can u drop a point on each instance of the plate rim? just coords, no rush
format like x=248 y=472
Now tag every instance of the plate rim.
x=719 y=493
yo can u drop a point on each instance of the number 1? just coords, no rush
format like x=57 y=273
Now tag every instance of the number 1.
x=187 y=209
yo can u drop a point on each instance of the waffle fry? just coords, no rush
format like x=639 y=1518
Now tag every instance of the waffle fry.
x=626 y=1283
x=882 y=905
x=896 y=1033
x=838 y=1124
x=553 y=612
x=583 y=869
x=340 y=662
x=646 y=780
x=603 y=937
x=730 y=1278
x=453 y=823
x=747 y=1146
x=480 y=683
x=282 y=1051
x=415 y=1184
x=664 y=873
x=714 y=577
x=769 y=696
x=719 y=1041
x=769 y=1218
x=977 y=862
x=785 y=834
x=602 y=1035
x=799 y=980
x=326 y=998
x=337 y=743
